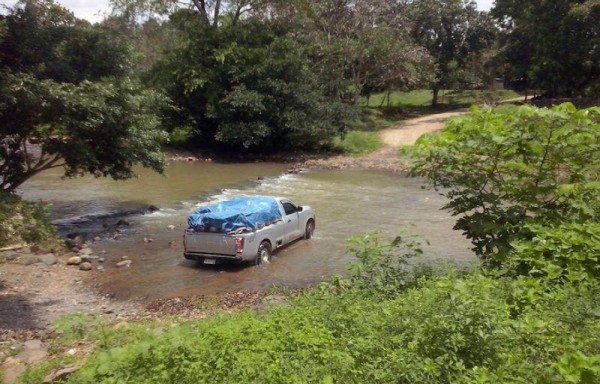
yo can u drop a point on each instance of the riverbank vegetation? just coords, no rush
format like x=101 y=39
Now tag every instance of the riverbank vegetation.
x=527 y=199
x=424 y=97
x=265 y=76
x=258 y=76
x=23 y=222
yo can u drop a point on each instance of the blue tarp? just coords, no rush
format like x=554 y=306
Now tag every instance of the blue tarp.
x=230 y=215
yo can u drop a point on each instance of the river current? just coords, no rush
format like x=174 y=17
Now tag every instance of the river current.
x=347 y=203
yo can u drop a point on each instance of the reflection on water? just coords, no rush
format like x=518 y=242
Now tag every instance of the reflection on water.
x=347 y=202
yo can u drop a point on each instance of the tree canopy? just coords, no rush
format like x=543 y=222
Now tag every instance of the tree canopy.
x=66 y=100
x=455 y=34
x=552 y=45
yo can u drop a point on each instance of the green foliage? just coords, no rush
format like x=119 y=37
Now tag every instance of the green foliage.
x=455 y=34
x=102 y=128
x=551 y=45
x=511 y=172
x=248 y=87
x=446 y=330
x=422 y=97
x=358 y=142
x=559 y=251
x=44 y=39
x=24 y=222
x=72 y=107
x=382 y=267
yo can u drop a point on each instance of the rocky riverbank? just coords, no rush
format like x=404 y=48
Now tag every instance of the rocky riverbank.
x=37 y=289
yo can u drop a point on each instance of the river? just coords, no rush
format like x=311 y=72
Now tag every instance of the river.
x=347 y=202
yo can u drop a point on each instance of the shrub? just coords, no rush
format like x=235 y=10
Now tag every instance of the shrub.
x=359 y=142
x=22 y=221
x=446 y=330
x=510 y=171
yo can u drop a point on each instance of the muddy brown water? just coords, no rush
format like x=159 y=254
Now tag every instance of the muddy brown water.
x=347 y=202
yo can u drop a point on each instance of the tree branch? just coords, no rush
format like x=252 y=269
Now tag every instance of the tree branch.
x=201 y=7
x=216 y=13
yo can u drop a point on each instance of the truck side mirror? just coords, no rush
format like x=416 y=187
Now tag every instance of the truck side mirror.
x=299 y=209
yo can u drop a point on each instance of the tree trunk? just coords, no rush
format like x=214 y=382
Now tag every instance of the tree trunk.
x=434 y=100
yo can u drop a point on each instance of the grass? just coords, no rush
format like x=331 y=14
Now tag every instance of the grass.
x=358 y=143
x=378 y=114
x=423 y=97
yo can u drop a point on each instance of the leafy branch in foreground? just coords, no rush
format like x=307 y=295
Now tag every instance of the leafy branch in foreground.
x=510 y=174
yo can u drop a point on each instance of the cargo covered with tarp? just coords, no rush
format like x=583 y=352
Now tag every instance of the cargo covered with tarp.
x=236 y=215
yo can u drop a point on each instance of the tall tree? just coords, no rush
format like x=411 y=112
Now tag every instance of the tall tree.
x=248 y=86
x=211 y=12
x=65 y=100
x=453 y=32
x=553 y=44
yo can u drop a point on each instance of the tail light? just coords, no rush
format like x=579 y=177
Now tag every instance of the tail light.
x=239 y=244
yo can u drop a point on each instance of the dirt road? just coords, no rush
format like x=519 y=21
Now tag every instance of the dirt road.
x=386 y=158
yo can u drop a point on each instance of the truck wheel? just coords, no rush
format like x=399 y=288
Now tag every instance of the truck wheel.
x=310 y=229
x=264 y=253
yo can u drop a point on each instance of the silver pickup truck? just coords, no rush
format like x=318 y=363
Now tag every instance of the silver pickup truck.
x=257 y=245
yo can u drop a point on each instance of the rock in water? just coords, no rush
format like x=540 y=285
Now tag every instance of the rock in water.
x=75 y=260
x=171 y=226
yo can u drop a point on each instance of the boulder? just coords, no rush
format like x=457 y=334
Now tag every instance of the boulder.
x=75 y=260
x=122 y=222
x=8 y=256
x=153 y=208
x=124 y=263
x=48 y=259
x=28 y=259
x=85 y=266
x=97 y=238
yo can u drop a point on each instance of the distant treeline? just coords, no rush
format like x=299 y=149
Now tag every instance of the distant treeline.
x=269 y=75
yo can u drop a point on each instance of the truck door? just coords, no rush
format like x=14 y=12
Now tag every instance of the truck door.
x=291 y=222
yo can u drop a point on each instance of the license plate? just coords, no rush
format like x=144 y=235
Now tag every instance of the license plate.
x=210 y=261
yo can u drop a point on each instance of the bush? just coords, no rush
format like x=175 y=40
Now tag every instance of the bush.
x=24 y=222
x=447 y=330
x=359 y=142
x=511 y=172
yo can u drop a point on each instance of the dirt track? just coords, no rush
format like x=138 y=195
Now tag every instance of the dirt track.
x=387 y=157
x=405 y=133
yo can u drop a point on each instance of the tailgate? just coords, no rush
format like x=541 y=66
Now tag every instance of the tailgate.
x=211 y=243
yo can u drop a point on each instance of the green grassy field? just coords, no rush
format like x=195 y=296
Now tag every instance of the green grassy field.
x=358 y=143
x=423 y=97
